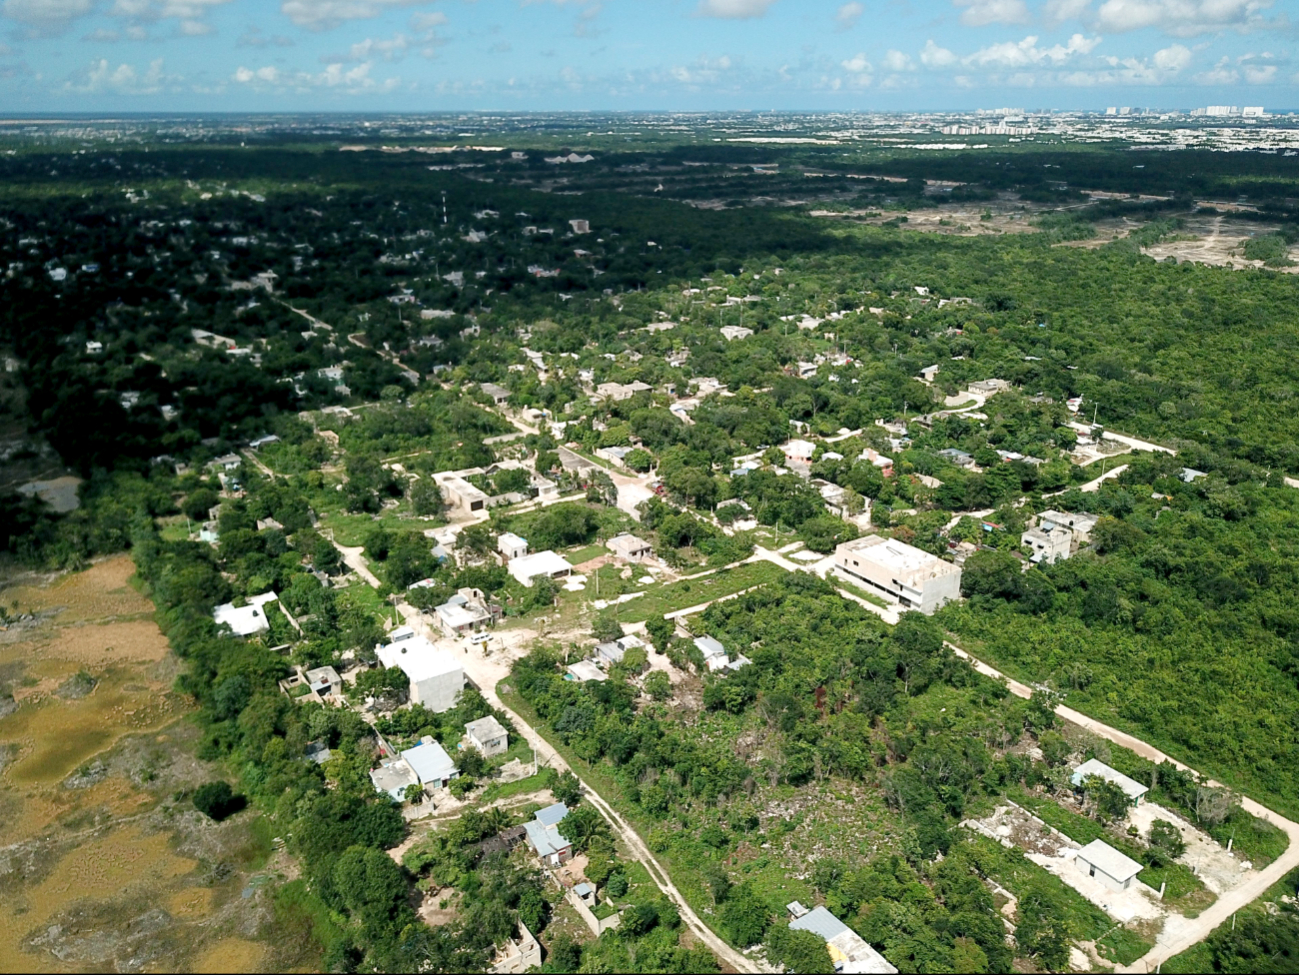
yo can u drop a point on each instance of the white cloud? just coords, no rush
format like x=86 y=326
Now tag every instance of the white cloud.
x=1163 y=66
x=122 y=80
x=980 y=13
x=422 y=22
x=1221 y=74
x=188 y=14
x=253 y=37
x=268 y=74
x=1182 y=18
x=1260 y=69
x=1026 y=53
x=847 y=16
x=351 y=81
x=733 y=9
x=934 y=56
x=897 y=61
x=393 y=49
x=1058 y=11
x=860 y=71
x=1172 y=59
x=324 y=14
x=704 y=70
x=46 y=17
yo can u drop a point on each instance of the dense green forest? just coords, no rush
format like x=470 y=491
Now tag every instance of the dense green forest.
x=143 y=347
x=1178 y=625
x=833 y=701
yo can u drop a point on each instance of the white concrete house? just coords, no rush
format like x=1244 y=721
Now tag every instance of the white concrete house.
x=499 y=394
x=1103 y=863
x=431 y=763
x=1133 y=789
x=904 y=573
x=849 y=951
x=1080 y=523
x=1048 y=544
x=436 y=675
x=246 y=620
x=511 y=545
x=460 y=495
x=324 y=681
x=545 y=563
x=716 y=658
x=393 y=778
x=629 y=547
x=798 y=452
x=488 y=736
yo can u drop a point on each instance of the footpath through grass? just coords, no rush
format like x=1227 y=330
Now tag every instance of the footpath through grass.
x=686 y=878
x=692 y=592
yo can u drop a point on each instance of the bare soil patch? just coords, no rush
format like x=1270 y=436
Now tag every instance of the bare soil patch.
x=104 y=863
x=100 y=591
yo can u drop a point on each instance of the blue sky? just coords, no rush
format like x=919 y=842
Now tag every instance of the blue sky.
x=435 y=55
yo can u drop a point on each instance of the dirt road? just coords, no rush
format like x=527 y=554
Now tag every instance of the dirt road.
x=1189 y=931
x=355 y=560
x=487 y=670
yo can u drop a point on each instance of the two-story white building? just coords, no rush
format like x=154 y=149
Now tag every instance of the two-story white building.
x=904 y=573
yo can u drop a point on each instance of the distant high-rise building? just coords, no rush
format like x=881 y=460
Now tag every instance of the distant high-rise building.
x=1253 y=111
x=1111 y=111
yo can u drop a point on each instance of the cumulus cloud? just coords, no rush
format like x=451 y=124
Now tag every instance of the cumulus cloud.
x=860 y=71
x=189 y=15
x=392 y=49
x=897 y=61
x=324 y=14
x=1163 y=66
x=1026 y=53
x=847 y=16
x=980 y=13
x=427 y=21
x=704 y=70
x=351 y=81
x=733 y=9
x=1221 y=73
x=934 y=56
x=857 y=65
x=1182 y=18
x=1056 y=12
x=1172 y=59
x=100 y=77
x=253 y=37
x=1259 y=69
x=46 y=18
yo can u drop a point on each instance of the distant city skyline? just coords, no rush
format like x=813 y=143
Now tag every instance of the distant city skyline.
x=519 y=55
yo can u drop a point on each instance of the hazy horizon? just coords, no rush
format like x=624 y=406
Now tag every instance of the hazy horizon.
x=190 y=56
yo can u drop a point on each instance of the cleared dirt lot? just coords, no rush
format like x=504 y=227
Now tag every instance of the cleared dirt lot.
x=1218 y=240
